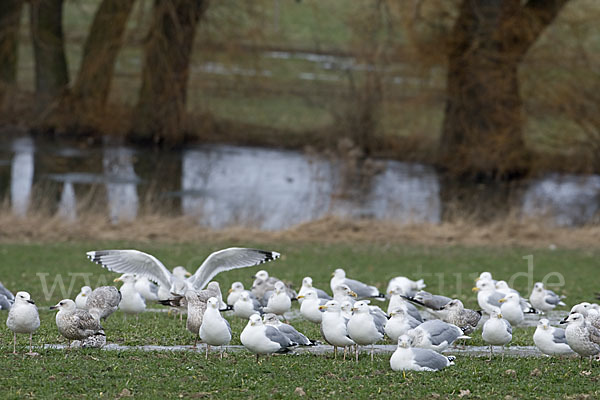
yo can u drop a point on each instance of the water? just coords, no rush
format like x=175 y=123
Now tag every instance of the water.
x=221 y=186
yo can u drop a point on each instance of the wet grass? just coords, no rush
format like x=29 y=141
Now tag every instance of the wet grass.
x=447 y=270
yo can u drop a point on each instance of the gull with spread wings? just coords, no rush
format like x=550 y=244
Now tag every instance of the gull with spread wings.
x=142 y=264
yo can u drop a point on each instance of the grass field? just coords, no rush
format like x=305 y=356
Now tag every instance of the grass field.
x=447 y=270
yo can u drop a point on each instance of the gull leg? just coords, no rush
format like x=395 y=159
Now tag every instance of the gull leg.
x=345 y=349
x=491 y=352
x=221 y=349
x=356 y=352
x=257 y=358
x=31 y=352
x=334 y=352
x=14 y=343
x=372 y=351
x=207 y=350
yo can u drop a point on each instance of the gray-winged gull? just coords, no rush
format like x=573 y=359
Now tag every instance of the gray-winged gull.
x=263 y=339
x=309 y=308
x=103 y=301
x=263 y=284
x=74 y=323
x=544 y=299
x=279 y=302
x=496 y=331
x=583 y=338
x=408 y=358
x=550 y=340
x=435 y=335
x=142 y=264
x=398 y=301
x=214 y=330
x=591 y=315
x=234 y=292
x=132 y=302
x=81 y=298
x=365 y=327
x=196 y=305
x=307 y=284
x=245 y=306
x=399 y=323
x=407 y=287
x=465 y=318
x=361 y=289
x=511 y=310
x=485 y=276
x=432 y=303
x=334 y=327
x=23 y=317
x=487 y=296
x=148 y=289
x=292 y=333
x=342 y=293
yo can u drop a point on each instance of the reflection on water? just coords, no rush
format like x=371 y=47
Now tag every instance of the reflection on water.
x=222 y=186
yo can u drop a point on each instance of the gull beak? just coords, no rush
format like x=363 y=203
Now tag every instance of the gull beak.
x=117 y=280
x=476 y=279
x=499 y=315
x=54 y=307
x=83 y=294
x=354 y=309
x=253 y=276
x=322 y=307
x=501 y=300
x=564 y=321
x=353 y=294
x=230 y=290
x=475 y=289
x=188 y=274
x=300 y=297
x=333 y=274
x=390 y=292
x=31 y=301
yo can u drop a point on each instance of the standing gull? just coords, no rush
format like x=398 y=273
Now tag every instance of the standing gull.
x=487 y=296
x=245 y=306
x=23 y=317
x=397 y=301
x=263 y=339
x=296 y=337
x=307 y=285
x=583 y=338
x=465 y=318
x=103 y=301
x=435 y=335
x=511 y=309
x=342 y=293
x=432 y=303
x=544 y=299
x=74 y=323
x=132 y=302
x=279 y=302
x=196 y=305
x=407 y=287
x=365 y=327
x=591 y=315
x=214 y=330
x=334 y=327
x=408 y=358
x=496 y=332
x=361 y=289
x=234 y=292
x=142 y=264
x=263 y=284
x=550 y=340
x=147 y=289
x=81 y=299
x=399 y=323
x=309 y=308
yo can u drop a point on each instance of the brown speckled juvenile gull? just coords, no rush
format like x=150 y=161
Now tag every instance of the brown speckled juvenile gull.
x=103 y=301
x=74 y=323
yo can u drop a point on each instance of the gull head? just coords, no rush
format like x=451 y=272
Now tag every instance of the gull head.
x=396 y=290
x=581 y=308
x=404 y=341
x=344 y=290
x=213 y=302
x=85 y=291
x=126 y=278
x=236 y=287
x=574 y=319
x=538 y=287
x=310 y=295
x=270 y=319
x=331 y=305
x=346 y=306
x=255 y=320
x=22 y=298
x=280 y=287
x=360 y=307
x=262 y=275
x=213 y=286
x=484 y=276
x=543 y=324
x=245 y=296
x=496 y=314
x=180 y=272
x=502 y=285
x=455 y=304
x=339 y=274
x=398 y=313
x=307 y=282
x=510 y=298
x=65 y=304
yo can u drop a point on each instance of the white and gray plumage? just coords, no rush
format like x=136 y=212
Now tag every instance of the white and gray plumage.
x=346 y=309
x=544 y=299
x=6 y=298
x=435 y=335
x=496 y=331
x=342 y=293
x=583 y=338
x=146 y=288
x=263 y=339
x=74 y=323
x=309 y=308
x=399 y=323
x=214 y=330
x=408 y=358
x=511 y=310
x=81 y=299
x=485 y=276
x=103 y=301
x=307 y=284
x=234 y=292
x=365 y=327
x=196 y=306
x=246 y=305
x=334 y=327
x=397 y=301
x=432 y=303
x=406 y=287
x=465 y=318
x=591 y=315
x=142 y=264
x=264 y=284
x=550 y=340
x=132 y=302
x=292 y=333
x=361 y=289
x=502 y=287
x=488 y=297
x=23 y=317
x=279 y=302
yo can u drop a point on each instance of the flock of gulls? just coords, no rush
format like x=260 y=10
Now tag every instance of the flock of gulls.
x=347 y=318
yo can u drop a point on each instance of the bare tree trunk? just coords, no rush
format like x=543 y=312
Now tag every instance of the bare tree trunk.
x=482 y=134
x=51 y=74
x=102 y=45
x=160 y=109
x=10 y=20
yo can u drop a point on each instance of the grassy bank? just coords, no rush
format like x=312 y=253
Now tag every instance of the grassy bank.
x=447 y=269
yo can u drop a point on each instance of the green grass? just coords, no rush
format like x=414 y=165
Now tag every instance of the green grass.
x=447 y=270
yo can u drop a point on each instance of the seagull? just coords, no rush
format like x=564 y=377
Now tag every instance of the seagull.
x=196 y=305
x=74 y=323
x=583 y=338
x=132 y=302
x=435 y=335
x=465 y=318
x=309 y=308
x=147 y=289
x=407 y=358
x=23 y=317
x=346 y=309
x=342 y=293
x=544 y=299
x=6 y=298
x=263 y=284
x=399 y=323
x=432 y=303
x=550 y=340
x=296 y=337
x=496 y=331
x=397 y=301
x=511 y=309
x=307 y=284
x=245 y=306
x=406 y=286
x=502 y=287
x=279 y=302
x=365 y=327
x=81 y=299
x=264 y=339
x=214 y=330
x=362 y=290
x=234 y=293
x=334 y=327
x=487 y=296
x=146 y=265
x=104 y=301
x=485 y=276
x=591 y=315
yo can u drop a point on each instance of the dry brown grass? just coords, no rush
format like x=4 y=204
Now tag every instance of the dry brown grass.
x=328 y=230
